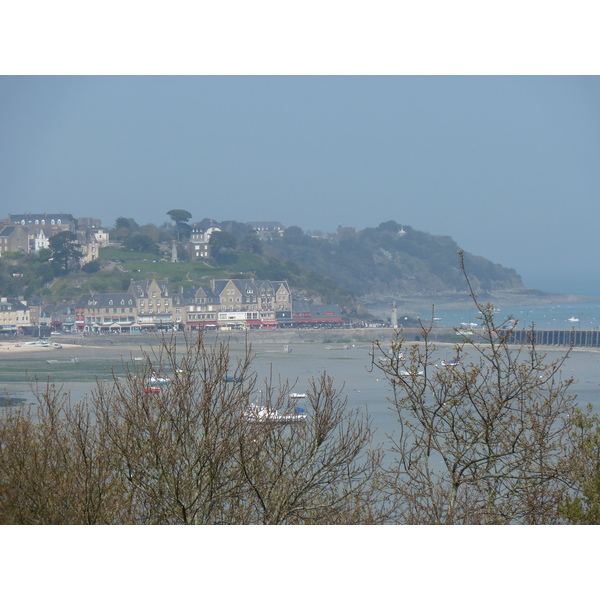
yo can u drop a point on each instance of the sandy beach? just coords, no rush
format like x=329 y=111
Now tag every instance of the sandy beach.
x=22 y=349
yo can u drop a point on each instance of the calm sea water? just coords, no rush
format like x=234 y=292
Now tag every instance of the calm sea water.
x=348 y=364
x=579 y=315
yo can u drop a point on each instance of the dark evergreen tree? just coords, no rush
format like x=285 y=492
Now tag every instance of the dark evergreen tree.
x=65 y=251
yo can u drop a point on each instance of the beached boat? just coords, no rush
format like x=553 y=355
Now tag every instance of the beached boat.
x=261 y=414
x=42 y=343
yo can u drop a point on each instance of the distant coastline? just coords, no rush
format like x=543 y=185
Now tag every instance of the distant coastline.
x=420 y=303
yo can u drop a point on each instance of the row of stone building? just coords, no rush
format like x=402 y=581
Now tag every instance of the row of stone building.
x=150 y=305
x=28 y=233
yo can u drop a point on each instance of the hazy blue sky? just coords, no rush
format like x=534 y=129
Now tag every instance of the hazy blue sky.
x=507 y=166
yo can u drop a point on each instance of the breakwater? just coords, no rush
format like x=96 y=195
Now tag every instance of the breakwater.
x=557 y=337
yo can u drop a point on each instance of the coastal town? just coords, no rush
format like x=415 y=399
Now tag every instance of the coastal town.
x=149 y=304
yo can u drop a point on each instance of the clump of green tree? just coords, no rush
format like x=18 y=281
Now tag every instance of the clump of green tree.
x=25 y=274
x=389 y=258
x=66 y=252
x=180 y=218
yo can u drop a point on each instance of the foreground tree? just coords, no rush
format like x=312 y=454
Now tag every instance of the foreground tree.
x=581 y=505
x=321 y=471
x=187 y=455
x=55 y=465
x=483 y=438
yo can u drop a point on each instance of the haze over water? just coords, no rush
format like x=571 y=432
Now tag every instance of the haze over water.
x=578 y=315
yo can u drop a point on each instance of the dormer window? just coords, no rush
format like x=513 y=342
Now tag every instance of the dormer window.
x=59 y=221
x=52 y=221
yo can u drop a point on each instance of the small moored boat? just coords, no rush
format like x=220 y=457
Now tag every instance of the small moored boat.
x=261 y=414
x=450 y=363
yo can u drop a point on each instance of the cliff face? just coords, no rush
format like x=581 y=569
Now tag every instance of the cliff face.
x=391 y=259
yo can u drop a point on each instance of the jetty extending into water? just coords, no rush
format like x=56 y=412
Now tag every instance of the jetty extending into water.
x=558 y=337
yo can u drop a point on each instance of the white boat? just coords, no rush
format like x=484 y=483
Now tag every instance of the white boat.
x=450 y=363
x=261 y=414
x=573 y=319
x=414 y=373
x=156 y=384
x=72 y=359
x=43 y=343
x=387 y=360
x=297 y=396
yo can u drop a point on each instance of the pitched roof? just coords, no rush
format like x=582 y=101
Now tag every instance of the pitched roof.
x=139 y=287
x=30 y=218
x=106 y=300
x=7 y=231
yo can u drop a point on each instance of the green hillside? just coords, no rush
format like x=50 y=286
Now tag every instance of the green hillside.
x=339 y=268
x=390 y=259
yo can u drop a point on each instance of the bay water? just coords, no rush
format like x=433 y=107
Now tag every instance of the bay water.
x=349 y=364
x=578 y=315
